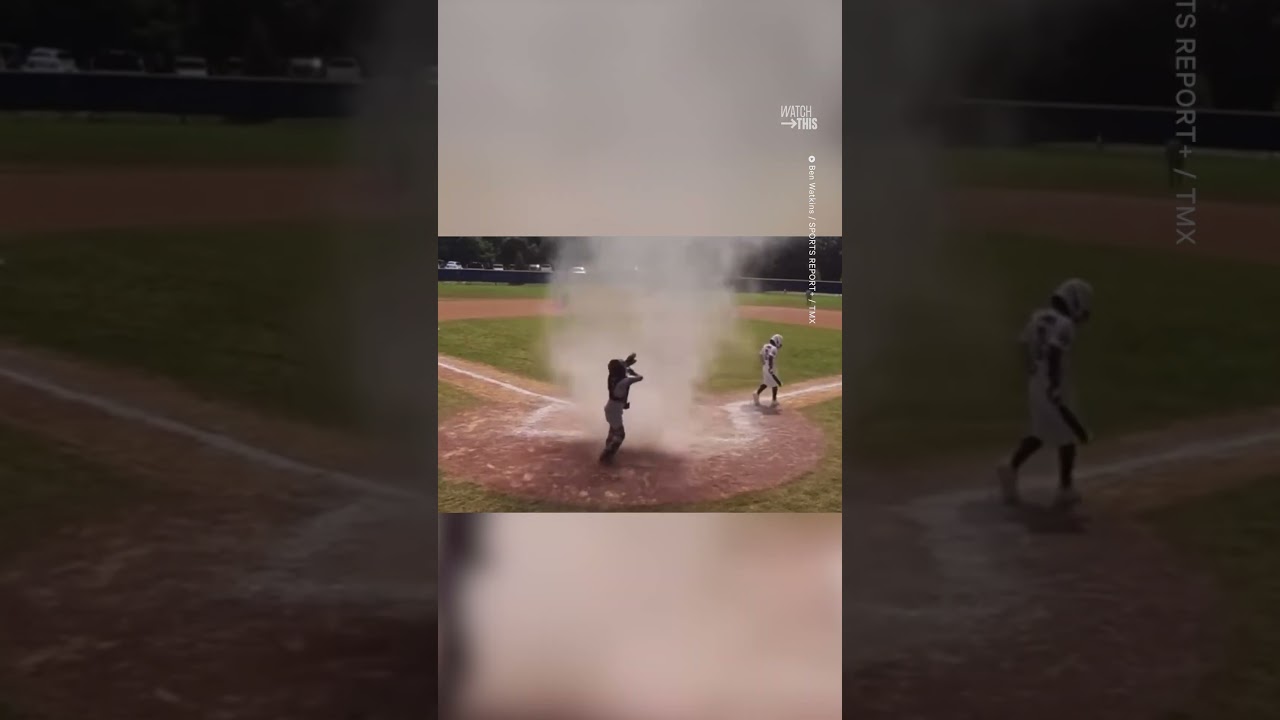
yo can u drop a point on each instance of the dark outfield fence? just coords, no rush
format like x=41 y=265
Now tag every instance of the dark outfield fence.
x=1011 y=123
x=530 y=277
x=962 y=122
x=232 y=97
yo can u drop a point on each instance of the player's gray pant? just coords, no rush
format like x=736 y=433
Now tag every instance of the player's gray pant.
x=617 y=433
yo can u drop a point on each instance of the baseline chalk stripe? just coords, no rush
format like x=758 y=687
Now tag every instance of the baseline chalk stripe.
x=499 y=383
x=217 y=441
x=746 y=426
x=1190 y=451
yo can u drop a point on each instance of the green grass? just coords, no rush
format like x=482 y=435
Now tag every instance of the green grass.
x=1235 y=536
x=519 y=345
x=253 y=316
x=249 y=315
x=1174 y=337
x=777 y=299
x=817 y=491
x=1219 y=178
x=44 y=487
x=164 y=142
x=486 y=290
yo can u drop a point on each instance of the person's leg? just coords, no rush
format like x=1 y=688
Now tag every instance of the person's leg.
x=613 y=442
x=1007 y=473
x=1066 y=467
x=775 y=394
x=1067 y=493
x=610 y=445
x=759 y=390
x=613 y=415
x=1026 y=448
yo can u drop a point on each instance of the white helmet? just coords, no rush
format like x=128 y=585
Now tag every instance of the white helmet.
x=1077 y=295
x=776 y=340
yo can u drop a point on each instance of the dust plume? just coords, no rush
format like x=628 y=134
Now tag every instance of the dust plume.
x=625 y=117
x=656 y=617
x=669 y=300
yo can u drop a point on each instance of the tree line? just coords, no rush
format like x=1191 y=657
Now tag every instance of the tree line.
x=263 y=33
x=786 y=258
x=1095 y=51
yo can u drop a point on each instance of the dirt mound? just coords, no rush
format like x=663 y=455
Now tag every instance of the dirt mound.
x=1224 y=229
x=478 y=309
x=151 y=198
x=531 y=454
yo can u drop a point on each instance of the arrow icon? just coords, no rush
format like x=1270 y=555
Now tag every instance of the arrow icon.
x=792 y=123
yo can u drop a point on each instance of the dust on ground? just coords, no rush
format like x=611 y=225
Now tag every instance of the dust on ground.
x=231 y=589
x=114 y=199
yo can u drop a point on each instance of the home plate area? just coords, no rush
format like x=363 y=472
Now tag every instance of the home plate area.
x=548 y=453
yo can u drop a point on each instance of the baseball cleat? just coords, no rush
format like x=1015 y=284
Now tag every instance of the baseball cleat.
x=1008 y=478
x=773 y=404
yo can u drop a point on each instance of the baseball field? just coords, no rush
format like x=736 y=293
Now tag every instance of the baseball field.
x=185 y=480
x=789 y=461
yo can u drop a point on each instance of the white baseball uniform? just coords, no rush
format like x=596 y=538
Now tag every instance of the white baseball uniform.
x=769 y=365
x=1047 y=329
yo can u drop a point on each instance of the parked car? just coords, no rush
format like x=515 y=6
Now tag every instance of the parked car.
x=498 y=266
x=452 y=265
x=190 y=66
x=117 y=61
x=43 y=64
x=343 y=69
x=535 y=267
x=578 y=271
x=306 y=67
x=475 y=266
x=9 y=56
x=548 y=268
x=62 y=60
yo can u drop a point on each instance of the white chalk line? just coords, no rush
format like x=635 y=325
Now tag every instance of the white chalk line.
x=501 y=384
x=1190 y=451
x=746 y=430
x=1112 y=473
x=969 y=556
x=314 y=535
x=217 y=441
